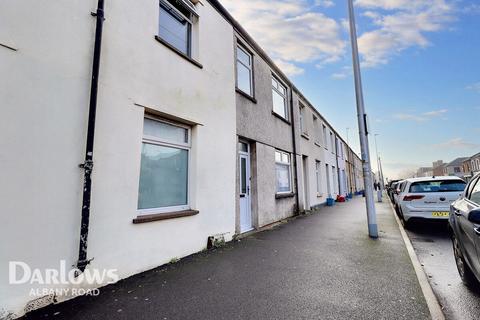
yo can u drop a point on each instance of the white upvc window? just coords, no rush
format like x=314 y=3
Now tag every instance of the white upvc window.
x=175 y=24
x=279 y=94
x=244 y=70
x=318 y=176
x=303 y=127
x=332 y=142
x=164 y=170
x=315 y=129
x=283 y=170
x=324 y=132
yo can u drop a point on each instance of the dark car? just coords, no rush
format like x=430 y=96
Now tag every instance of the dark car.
x=464 y=222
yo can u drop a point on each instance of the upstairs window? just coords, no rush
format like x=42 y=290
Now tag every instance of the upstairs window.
x=279 y=93
x=316 y=129
x=303 y=128
x=244 y=71
x=324 y=133
x=175 y=24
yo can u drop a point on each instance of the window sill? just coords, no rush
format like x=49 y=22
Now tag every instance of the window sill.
x=164 y=216
x=305 y=136
x=280 y=117
x=319 y=195
x=180 y=53
x=246 y=95
x=284 y=195
x=317 y=144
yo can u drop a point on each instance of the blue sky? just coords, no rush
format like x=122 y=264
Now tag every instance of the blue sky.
x=420 y=69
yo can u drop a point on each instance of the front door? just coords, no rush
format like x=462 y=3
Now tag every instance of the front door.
x=305 y=183
x=245 y=199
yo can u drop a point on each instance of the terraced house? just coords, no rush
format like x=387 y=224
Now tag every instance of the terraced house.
x=179 y=132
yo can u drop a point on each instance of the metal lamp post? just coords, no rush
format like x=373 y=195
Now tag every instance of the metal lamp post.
x=362 y=125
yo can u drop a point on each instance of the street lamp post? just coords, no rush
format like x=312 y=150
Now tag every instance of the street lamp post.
x=380 y=177
x=362 y=125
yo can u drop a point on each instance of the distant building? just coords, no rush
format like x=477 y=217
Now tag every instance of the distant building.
x=475 y=163
x=437 y=168
x=455 y=168
x=424 y=172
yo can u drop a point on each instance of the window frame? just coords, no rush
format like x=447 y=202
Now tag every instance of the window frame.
x=189 y=21
x=470 y=191
x=318 y=175
x=324 y=133
x=241 y=46
x=165 y=143
x=303 y=126
x=285 y=96
x=289 y=171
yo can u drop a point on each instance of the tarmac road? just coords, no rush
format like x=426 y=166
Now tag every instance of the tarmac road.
x=434 y=250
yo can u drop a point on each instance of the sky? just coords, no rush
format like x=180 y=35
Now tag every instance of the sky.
x=420 y=64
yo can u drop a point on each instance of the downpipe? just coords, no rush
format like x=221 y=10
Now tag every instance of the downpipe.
x=294 y=144
x=87 y=166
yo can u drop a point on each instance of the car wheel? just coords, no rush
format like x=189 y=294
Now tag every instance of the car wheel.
x=466 y=274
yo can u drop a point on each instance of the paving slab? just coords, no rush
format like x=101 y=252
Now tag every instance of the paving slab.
x=318 y=266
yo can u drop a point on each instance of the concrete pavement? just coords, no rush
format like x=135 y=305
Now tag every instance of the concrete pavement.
x=319 y=266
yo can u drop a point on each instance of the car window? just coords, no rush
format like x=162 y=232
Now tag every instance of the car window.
x=475 y=194
x=437 y=186
x=470 y=187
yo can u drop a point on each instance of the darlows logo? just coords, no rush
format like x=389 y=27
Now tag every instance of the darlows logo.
x=20 y=272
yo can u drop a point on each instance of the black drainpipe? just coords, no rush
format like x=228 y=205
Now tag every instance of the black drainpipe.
x=338 y=168
x=295 y=154
x=88 y=164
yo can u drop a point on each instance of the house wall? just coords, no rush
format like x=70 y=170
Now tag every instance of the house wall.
x=45 y=87
x=266 y=132
x=311 y=149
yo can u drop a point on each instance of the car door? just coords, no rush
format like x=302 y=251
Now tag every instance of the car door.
x=474 y=199
x=468 y=234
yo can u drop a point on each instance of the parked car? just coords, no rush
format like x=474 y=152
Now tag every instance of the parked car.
x=428 y=198
x=397 y=192
x=390 y=187
x=464 y=223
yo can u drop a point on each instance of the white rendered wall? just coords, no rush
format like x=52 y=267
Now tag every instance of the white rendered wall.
x=45 y=89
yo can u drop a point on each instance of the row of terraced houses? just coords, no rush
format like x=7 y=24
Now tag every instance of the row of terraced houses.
x=199 y=137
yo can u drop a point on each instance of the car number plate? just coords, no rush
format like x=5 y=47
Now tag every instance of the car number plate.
x=440 y=214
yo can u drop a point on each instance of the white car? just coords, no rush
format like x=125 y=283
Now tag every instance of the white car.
x=397 y=193
x=428 y=198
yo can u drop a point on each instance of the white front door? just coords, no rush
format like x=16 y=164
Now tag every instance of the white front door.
x=245 y=200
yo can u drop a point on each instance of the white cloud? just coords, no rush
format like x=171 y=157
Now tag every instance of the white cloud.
x=324 y=3
x=474 y=87
x=435 y=113
x=457 y=143
x=420 y=117
x=288 y=68
x=343 y=73
x=399 y=25
x=290 y=31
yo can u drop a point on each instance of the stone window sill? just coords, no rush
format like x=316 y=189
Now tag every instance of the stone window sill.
x=280 y=117
x=164 y=216
x=284 y=195
x=246 y=95
x=180 y=53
